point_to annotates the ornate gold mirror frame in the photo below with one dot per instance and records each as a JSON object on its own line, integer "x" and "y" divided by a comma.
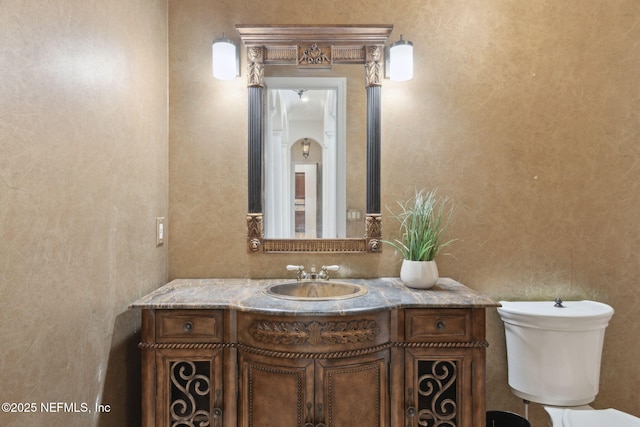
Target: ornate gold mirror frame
{"x": 314, "y": 47}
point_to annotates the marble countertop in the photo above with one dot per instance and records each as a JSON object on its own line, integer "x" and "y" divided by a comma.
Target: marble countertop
{"x": 248, "y": 295}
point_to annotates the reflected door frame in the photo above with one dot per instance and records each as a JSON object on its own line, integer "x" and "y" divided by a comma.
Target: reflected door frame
{"x": 307, "y": 199}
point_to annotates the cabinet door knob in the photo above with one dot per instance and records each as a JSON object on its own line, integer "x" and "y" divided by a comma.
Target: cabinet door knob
{"x": 217, "y": 412}
{"x": 411, "y": 412}
{"x": 440, "y": 325}
{"x": 188, "y": 327}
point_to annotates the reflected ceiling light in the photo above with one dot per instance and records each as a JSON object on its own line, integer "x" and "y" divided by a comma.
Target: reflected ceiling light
{"x": 399, "y": 60}
{"x": 300, "y": 92}
{"x": 226, "y": 59}
{"x": 305, "y": 147}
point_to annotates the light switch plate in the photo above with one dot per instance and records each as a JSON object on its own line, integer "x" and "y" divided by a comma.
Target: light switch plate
{"x": 160, "y": 231}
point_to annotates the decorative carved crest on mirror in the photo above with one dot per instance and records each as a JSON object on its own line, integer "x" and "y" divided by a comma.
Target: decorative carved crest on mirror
{"x": 314, "y": 47}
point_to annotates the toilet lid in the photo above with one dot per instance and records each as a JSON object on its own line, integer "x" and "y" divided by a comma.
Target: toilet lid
{"x": 598, "y": 418}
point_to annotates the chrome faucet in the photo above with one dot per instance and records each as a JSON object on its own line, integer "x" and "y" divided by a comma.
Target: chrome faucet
{"x": 313, "y": 275}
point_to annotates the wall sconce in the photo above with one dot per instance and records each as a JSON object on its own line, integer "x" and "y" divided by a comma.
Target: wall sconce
{"x": 399, "y": 60}
{"x": 305, "y": 147}
{"x": 226, "y": 59}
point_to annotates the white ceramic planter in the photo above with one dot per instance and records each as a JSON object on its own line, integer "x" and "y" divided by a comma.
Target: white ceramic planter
{"x": 419, "y": 274}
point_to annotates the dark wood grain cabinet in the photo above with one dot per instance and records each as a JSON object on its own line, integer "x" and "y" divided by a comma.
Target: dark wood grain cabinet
{"x": 307, "y": 392}
{"x": 399, "y": 368}
{"x": 313, "y": 371}
{"x": 189, "y": 387}
{"x": 444, "y": 367}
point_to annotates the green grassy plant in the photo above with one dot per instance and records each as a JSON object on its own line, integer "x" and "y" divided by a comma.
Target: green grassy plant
{"x": 424, "y": 220}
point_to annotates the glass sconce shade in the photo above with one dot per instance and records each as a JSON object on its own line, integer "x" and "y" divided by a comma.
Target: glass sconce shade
{"x": 401, "y": 60}
{"x": 226, "y": 60}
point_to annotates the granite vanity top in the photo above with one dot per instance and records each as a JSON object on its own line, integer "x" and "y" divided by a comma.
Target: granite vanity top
{"x": 248, "y": 295}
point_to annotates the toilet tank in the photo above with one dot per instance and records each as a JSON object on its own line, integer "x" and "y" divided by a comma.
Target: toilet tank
{"x": 554, "y": 353}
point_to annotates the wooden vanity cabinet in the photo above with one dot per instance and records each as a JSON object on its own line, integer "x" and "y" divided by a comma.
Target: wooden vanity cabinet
{"x": 314, "y": 371}
{"x": 189, "y": 390}
{"x": 444, "y": 367}
{"x": 314, "y": 393}
{"x": 182, "y": 368}
{"x": 398, "y": 368}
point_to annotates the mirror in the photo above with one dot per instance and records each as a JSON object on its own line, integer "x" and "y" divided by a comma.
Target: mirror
{"x": 306, "y": 157}
{"x": 315, "y": 215}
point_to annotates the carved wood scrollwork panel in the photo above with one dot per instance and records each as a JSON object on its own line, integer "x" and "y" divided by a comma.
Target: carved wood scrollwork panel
{"x": 314, "y": 333}
{"x": 314, "y": 56}
{"x": 190, "y": 395}
{"x": 255, "y": 59}
{"x": 438, "y": 393}
{"x": 283, "y": 55}
{"x": 373, "y": 66}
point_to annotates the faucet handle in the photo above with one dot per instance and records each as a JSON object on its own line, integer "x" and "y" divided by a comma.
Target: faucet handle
{"x": 324, "y": 271}
{"x": 299, "y": 268}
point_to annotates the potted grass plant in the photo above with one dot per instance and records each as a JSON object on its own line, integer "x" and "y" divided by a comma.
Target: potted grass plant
{"x": 424, "y": 220}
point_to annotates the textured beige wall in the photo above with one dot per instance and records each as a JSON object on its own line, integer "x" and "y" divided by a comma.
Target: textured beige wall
{"x": 83, "y": 174}
{"x": 526, "y": 113}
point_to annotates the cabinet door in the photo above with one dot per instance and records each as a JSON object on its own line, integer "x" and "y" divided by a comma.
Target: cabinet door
{"x": 353, "y": 392}
{"x": 438, "y": 387}
{"x": 275, "y": 392}
{"x": 189, "y": 388}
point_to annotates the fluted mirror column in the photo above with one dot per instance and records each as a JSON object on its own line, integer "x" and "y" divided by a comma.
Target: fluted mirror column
{"x": 255, "y": 56}
{"x": 373, "y": 82}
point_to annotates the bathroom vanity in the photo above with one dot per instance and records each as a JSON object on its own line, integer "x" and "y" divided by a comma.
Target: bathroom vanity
{"x": 222, "y": 352}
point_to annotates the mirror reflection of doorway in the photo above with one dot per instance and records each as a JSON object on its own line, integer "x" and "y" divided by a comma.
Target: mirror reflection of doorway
{"x": 300, "y": 204}
{"x": 287, "y": 130}
{"x": 307, "y": 216}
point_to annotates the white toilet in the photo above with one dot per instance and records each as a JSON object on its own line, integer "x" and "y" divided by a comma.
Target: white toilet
{"x": 554, "y": 351}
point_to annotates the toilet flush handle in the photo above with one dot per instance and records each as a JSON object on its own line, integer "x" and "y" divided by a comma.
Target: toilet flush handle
{"x": 558, "y": 303}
